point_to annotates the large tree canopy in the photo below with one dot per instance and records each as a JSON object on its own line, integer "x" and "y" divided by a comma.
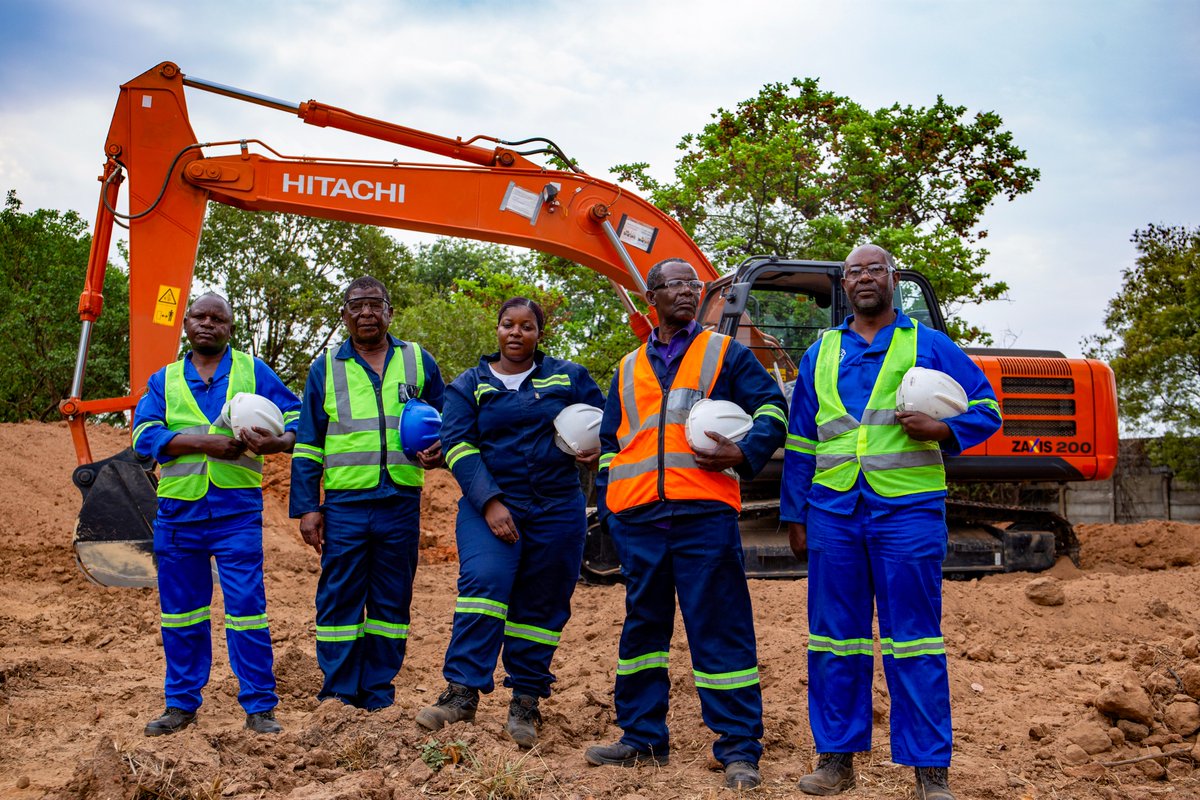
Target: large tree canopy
{"x": 804, "y": 173}
{"x": 1153, "y": 344}
{"x": 284, "y": 275}
{"x": 43, "y": 260}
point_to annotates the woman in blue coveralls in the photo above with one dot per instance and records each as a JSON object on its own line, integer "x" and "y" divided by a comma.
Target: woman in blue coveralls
{"x": 521, "y": 521}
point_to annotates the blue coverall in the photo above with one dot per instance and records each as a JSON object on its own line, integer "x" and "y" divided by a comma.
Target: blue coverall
{"x": 225, "y": 524}
{"x": 693, "y": 549}
{"x": 514, "y": 599}
{"x": 865, "y": 549}
{"x": 369, "y": 557}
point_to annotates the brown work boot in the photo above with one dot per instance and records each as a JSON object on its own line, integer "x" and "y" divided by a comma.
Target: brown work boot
{"x": 523, "y": 720}
{"x": 456, "y": 704}
{"x": 933, "y": 783}
{"x": 834, "y": 774}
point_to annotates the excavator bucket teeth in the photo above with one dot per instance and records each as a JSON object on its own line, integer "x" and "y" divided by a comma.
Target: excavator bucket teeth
{"x": 114, "y": 534}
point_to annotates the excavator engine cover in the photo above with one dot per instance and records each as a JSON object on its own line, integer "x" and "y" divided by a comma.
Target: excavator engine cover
{"x": 114, "y": 535}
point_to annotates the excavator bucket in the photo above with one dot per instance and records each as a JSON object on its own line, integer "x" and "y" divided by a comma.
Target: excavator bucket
{"x": 114, "y": 535}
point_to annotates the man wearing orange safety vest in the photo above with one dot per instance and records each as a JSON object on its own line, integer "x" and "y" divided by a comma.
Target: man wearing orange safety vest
{"x": 672, "y": 514}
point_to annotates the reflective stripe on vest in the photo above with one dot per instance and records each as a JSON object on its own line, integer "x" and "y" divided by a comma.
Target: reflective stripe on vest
{"x": 364, "y": 427}
{"x": 655, "y": 462}
{"x": 894, "y": 464}
{"x": 187, "y": 477}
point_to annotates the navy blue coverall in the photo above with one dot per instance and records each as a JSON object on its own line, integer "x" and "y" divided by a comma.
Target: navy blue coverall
{"x": 225, "y": 524}
{"x": 369, "y": 557}
{"x": 693, "y": 549}
{"x": 514, "y": 599}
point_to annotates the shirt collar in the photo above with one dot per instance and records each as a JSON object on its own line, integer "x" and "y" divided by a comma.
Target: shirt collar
{"x": 902, "y": 321}
{"x": 222, "y": 368}
{"x": 346, "y": 351}
{"x": 687, "y": 330}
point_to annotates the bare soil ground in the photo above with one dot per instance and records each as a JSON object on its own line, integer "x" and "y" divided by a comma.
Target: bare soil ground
{"x": 1047, "y": 698}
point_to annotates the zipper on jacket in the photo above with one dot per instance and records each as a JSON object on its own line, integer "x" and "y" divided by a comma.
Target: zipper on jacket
{"x": 382, "y": 429}
{"x": 662, "y": 444}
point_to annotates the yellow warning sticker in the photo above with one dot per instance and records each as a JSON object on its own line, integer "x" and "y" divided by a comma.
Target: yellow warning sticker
{"x": 166, "y": 308}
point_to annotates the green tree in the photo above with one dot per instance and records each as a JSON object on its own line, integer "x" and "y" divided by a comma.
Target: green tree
{"x": 1153, "y": 344}
{"x": 284, "y": 275}
{"x": 43, "y": 260}
{"x": 801, "y": 172}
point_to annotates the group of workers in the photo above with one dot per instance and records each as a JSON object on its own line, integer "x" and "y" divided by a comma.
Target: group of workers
{"x": 863, "y": 493}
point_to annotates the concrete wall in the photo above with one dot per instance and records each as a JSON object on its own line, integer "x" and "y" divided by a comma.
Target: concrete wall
{"x": 1136, "y": 492}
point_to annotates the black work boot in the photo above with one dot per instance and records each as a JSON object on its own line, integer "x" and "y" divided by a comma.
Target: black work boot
{"x": 173, "y": 720}
{"x": 834, "y": 774}
{"x": 456, "y": 704}
{"x": 742, "y": 775}
{"x": 263, "y": 722}
{"x": 620, "y": 754}
{"x": 523, "y": 720}
{"x": 933, "y": 783}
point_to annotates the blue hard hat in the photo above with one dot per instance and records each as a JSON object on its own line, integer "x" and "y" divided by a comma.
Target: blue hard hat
{"x": 420, "y": 427}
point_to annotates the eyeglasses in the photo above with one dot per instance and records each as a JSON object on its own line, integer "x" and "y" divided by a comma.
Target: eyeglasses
{"x": 675, "y": 284}
{"x": 874, "y": 270}
{"x": 362, "y": 304}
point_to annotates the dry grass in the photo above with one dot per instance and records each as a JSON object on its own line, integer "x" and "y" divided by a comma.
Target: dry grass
{"x": 156, "y": 780}
{"x": 359, "y": 753}
{"x": 500, "y": 778}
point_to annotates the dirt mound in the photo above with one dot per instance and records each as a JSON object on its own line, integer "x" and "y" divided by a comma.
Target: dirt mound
{"x": 1080, "y": 688}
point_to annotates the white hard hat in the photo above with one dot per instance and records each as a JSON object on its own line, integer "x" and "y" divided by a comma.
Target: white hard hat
{"x": 577, "y": 428}
{"x": 254, "y": 411}
{"x": 718, "y": 416}
{"x": 930, "y": 392}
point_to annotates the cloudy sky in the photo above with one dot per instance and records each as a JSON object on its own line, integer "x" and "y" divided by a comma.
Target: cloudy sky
{"x": 1103, "y": 96}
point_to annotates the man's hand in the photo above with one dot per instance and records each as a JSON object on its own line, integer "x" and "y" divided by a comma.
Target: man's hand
{"x": 922, "y": 427}
{"x": 262, "y": 442}
{"x": 312, "y": 530}
{"x": 431, "y": 456}
{"x": 726, "y": 456}
{"x": 798, "y": 539}
{"x": 500, "y": 521}
{"x": 588, "y": 458}
{"x": 219, "y": 446}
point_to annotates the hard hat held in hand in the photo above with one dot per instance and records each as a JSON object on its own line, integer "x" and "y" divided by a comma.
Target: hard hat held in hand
{"x": 930, "y": 392}
{"x": 420, "y": 427}
{"x": 577, "y": 428}
{"x": 718, "y": 416}
{"x": 246, "y": 411}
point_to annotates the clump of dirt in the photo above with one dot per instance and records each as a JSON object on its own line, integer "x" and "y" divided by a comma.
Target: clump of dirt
{"x": 1094, "y": 695}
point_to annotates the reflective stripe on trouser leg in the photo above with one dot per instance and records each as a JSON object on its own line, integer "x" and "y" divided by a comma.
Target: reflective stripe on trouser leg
{"x": 906, "y": 560}
{"x": 239, "y": 557}
{"x": 341, "y": 599}
{"x": 840, "y": 641}
{"x": 395, "y": 529}
{"x": 706, "y": 555}
{"x": 486, "y": 569}
{"x": 642, "y": 684}
{"x": 185, "y": 597}
{"x": 540, "y": 603}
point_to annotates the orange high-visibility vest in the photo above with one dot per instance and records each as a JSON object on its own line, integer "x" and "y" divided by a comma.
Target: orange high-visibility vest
{"x": 655, "y": 462}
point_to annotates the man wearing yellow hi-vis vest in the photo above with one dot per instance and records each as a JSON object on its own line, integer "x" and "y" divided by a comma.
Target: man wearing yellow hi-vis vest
{"x": 864, "y": 489}
{"x": 210, "y": 506}
{"x": 367, "y": 527}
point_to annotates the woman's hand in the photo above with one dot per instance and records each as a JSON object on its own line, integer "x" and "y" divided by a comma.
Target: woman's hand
{"x": 500, "y": 521}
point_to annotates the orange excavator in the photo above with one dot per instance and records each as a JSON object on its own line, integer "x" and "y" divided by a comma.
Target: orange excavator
{"x": 1060, "y": 414}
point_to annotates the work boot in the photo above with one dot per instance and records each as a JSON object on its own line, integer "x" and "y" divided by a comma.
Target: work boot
{"x": 456, "y": 704}
{"x": 834, "y": 774}
{"x": 933, "y": 783}
{"x": 523, "y": 720}
{"x": 620, "y": 754}
{"x": 173, "y": 720}
{"x": 742, "y": 775}
{"x": 263, "y": 722}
